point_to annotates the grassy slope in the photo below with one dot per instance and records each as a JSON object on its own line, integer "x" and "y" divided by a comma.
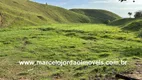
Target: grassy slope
{"x": 25, "y": 12}
{"x": 96, "y": 15}
{"x": 128, "y": 24}
{"x": 134, "y": 26}
{"x": 124, "y": 22}
{"x": 66, "y": 42}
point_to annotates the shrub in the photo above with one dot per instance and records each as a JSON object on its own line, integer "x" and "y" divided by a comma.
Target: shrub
{"x": 138, "y": 14}
{"x": 107, "y": 21}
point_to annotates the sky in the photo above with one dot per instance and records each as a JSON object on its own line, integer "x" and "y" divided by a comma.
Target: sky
{"x": 120, "y": 8}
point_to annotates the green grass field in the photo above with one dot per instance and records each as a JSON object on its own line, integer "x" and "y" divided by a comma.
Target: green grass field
{"x": 67, "y": 42}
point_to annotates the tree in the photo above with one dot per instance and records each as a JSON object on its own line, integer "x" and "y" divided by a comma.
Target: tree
{"x": 138, "y": 14}
{"x": 130, "y": 13}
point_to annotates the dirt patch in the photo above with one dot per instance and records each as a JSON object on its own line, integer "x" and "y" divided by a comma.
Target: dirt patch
{"x": 135, "y": 75}
{"x": 3, "y": 79}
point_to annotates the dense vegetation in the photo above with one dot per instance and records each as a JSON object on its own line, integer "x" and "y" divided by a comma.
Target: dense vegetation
{"x": 138, "y": 14}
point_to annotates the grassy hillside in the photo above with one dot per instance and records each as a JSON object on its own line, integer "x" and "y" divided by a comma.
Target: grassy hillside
{"x": 123, "y": 22}
{"x": 68, "y": 42}
{"x": 25, "y": 12}
{"x": 134, "y": 26}
{"x": 97, "y": 16}
{"x": 128, "y": 24}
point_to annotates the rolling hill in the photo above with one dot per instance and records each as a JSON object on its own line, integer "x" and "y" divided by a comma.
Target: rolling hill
{"x": 97, "y": 16}
{"x": 122, "y": 22}
{"x": 134, "y": 26}
{"x": 25, "y": 12}
{"x": 128, "y": 24}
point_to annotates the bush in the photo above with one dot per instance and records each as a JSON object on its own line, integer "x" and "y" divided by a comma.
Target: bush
{"x": 138, "y": 14}
{"x": 107, "y": 21}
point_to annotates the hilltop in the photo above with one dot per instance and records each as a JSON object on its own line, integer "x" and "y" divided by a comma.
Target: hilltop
{"x": 97, "y": 15}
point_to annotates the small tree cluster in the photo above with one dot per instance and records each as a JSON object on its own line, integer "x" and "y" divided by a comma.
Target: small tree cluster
{"x": 138, "y": 14}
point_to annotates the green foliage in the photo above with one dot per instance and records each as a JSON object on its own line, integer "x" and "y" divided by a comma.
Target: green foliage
{"x": 138, "y": 14}
{"x": 107, "y": 21}
{"x": 130, "y": 13}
